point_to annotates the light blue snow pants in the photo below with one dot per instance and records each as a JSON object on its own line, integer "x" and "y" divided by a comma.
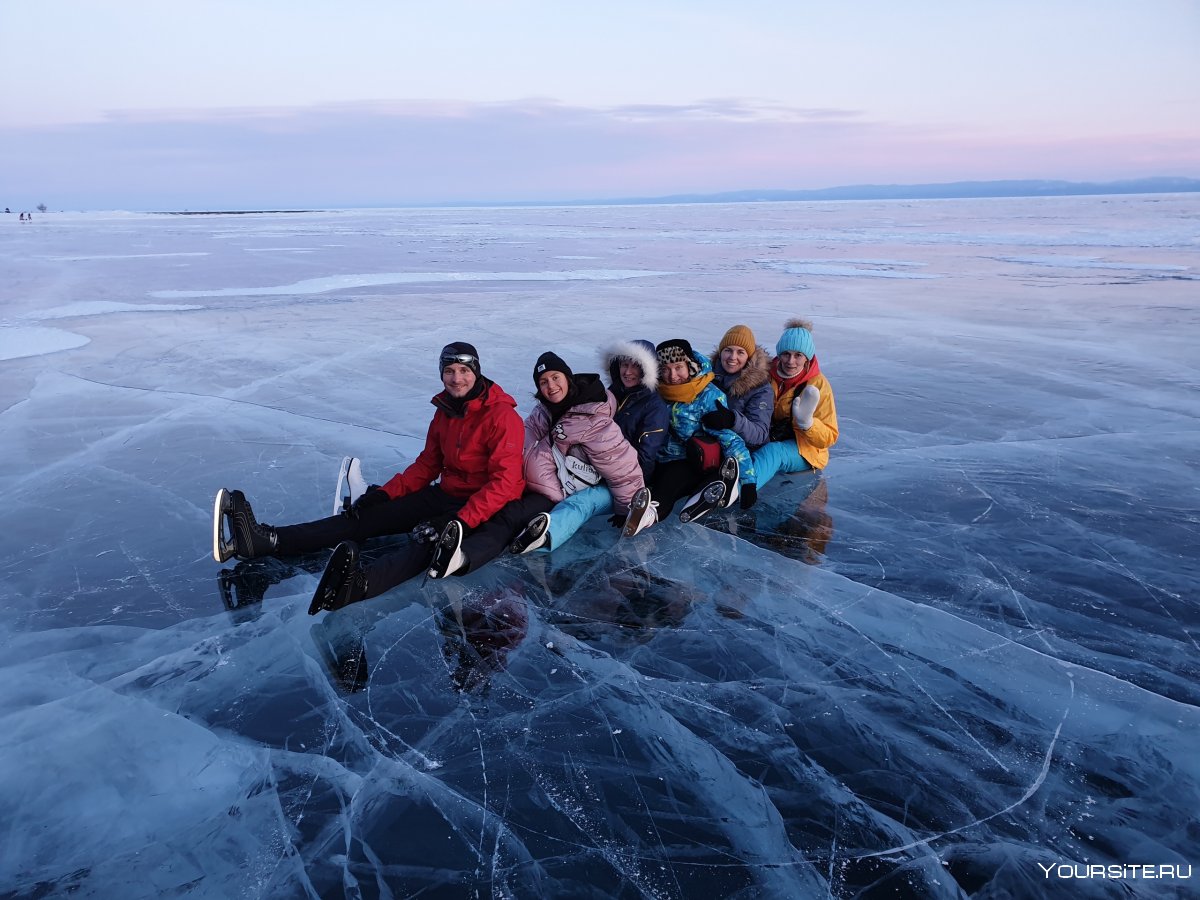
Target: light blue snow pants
{"x": 568, "y": 515}
{"x": 775, "y": 457}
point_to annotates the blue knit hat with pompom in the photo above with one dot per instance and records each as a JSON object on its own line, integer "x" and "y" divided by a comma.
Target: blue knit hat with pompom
{"x": 797, "y": 337}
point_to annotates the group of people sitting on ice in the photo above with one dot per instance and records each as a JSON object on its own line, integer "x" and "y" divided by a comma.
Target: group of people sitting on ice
{"x": 671, "y": 424}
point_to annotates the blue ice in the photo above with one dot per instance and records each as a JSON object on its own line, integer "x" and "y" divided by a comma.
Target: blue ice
{"x": 964, "y": 654}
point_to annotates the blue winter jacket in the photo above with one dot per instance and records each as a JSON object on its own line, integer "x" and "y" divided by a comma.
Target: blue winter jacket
{"x": 685, "y": 422}
{"x": 641, "y": 414}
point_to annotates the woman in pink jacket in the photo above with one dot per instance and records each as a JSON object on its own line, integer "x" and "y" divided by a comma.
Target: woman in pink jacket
{"x": 572, "y": 442}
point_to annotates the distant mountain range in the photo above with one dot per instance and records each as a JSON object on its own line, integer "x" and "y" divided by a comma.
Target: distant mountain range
{"x": 952, "y": 190}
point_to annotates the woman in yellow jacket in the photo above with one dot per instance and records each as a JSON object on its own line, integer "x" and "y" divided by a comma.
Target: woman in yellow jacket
{"x": 804, "y": 422}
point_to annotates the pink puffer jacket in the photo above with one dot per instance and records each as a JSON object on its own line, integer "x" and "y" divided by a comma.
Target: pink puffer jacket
{"x": 587, "y": 431}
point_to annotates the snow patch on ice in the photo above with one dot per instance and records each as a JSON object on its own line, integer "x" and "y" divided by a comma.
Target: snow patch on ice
{"x": 344, "y": 282}
{"x": 124, "y": 256}
{"x": 849, "y": 268}
{"x": 1089, "y": 262}
{"x": 100, "y": 307}
{"x": 20, "y": 341}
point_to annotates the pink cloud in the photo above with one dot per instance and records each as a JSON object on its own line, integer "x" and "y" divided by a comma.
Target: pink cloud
{"x": 397, "y": 152}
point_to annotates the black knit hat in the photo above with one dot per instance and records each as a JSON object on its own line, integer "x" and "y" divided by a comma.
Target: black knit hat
{"x": 550, "y": 362}
{"x": 459, "y": 352}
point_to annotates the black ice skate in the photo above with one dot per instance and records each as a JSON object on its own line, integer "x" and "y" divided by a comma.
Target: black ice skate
{"x": 731, "y": 474}
{"x": 643, "y": 512}
{"x": 703, "y": 503}
{"x": 448, "y": 557}
{"x": 236, "y": 533}
{"x": 343, "y": 582}
{"x": 533, "y": 536}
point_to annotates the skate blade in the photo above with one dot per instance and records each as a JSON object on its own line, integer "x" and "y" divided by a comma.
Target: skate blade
{"x": 223, "y": 547}
{"x": 326, "y": 595}
{"x": 638, "y": 510}
{"x": 731, "y": 473}
{"x": 443, "y": 556}
{"x": 341, "y": 494}
{"x": 703, "y": 505}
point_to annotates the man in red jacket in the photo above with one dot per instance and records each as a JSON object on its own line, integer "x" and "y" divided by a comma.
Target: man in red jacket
{"x": 469, "y": 469}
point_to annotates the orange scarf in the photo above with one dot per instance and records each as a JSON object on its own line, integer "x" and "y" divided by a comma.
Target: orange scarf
{"x": 686, "y": 392}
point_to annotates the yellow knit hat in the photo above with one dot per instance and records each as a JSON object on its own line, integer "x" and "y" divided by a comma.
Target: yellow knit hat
{"x": 738, "y": 336}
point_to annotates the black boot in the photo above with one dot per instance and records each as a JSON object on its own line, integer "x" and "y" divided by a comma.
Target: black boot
{"x": 250, "y": 539}
{"x": 343, "y": 582}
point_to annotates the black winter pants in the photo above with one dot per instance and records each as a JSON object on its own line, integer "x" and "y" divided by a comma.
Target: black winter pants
{"x": 398, "y": 516}
{"x": 490, "y": 539}
{"x": 673, "y": 480}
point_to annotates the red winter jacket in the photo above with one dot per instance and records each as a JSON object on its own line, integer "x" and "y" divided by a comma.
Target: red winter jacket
{"x": 476, "y": 455}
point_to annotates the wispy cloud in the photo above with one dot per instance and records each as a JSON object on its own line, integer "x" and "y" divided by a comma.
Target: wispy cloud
{"x": 393, "y": 152}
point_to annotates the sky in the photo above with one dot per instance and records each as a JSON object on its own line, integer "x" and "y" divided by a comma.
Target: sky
{"x": 239, "y": 104}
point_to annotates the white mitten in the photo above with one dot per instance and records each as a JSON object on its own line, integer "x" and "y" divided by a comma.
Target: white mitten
{"x": 804, "y": 406}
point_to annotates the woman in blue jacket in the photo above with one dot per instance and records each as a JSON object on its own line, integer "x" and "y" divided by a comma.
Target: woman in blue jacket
{"x": 686, "y": 383}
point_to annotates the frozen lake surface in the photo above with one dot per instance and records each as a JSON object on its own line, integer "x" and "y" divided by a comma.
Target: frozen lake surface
{"x": 961, "y": 661}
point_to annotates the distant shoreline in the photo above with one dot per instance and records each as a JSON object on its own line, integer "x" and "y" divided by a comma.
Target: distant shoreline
{"x": 958, "y": 190}
{"x": 228, "y": 212}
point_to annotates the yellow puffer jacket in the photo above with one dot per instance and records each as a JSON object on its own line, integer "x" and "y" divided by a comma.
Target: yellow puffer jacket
{"x": 813, "y": 444}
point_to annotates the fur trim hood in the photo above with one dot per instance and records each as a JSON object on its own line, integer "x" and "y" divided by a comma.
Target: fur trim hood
{"x": 756, "y": 372}
{"x": 644, "y": 357}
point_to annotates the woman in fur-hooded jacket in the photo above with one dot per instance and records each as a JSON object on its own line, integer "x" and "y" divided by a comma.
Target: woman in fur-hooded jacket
{"x": 575, "y": 416}
{"x": 742, "y": 369}
{"x": 642, "y": 415}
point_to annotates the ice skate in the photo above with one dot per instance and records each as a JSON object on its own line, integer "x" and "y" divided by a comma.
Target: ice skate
{"x": 643, "y": 512}
{"x": 533, "y": 536}
{"x": 448, "y": 557}
{"x": 343, "y": 582}
{"x": 731, "y": 474}
{"x": 350, "y": 486}
{"x": 704, "y": 502}
{"x": 236, "y": 533}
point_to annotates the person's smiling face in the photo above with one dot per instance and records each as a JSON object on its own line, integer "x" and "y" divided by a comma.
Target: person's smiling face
{"x": 733, "y": 359}
{"x": 553, "y": 386}
{"x": 630, "y": 372}
{"x": 458, "y": 380}
{"x": 791, "y": 363}
{"x": 676, "y": 372}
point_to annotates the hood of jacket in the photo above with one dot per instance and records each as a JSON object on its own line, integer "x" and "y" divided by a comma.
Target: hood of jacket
{"x": 754, "y": 374}
{"x": 639, "y": 354}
